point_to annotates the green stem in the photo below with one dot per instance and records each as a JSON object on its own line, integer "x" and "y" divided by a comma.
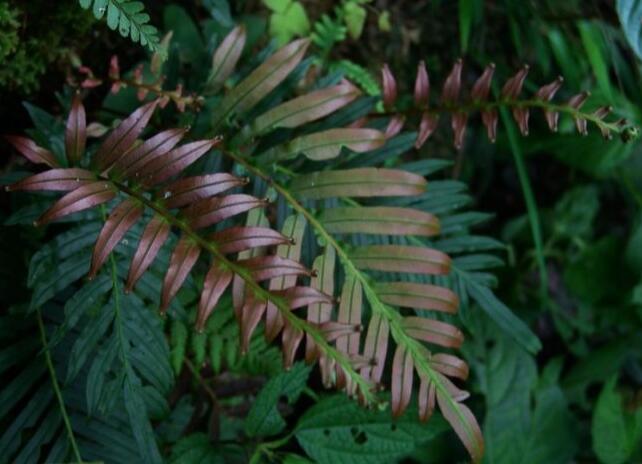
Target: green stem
{"x": 300, "y": 324}
{"x": 414, "y": 347}
{"x": 56, "y": 387}
{"x": 531, "y": 204}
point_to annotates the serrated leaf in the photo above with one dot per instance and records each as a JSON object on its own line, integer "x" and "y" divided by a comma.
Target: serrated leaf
{"x": 364, "y": 434}
{"x": 264, "y": 418}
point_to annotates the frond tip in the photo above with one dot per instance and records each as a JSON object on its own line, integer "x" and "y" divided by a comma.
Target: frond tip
{"x": 479, "y": 100}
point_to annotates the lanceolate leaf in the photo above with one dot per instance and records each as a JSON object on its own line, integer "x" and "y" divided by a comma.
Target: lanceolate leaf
{"x": 183, "y": 259}
{"x": 321, "y": 312}
{"x": 262, "y": 80}
{"x": 172, "y": 163}
{"x": 55, "y": 179}
{"x": 328, "y": 144}
{"x": 298, "y": 297}
{"x": 449, "y": 365}
{"x": 226, "y": 56}
{"x": 30, "y": 150}
{"x": 349, "y": 313}
{"x": 419, "y": 296}
{"x": 306, "y": 108}
{"x": 215, "y": 209}
{"x": 123, "y": 137}
{"x": 293, "y": 227}
{"x": 131, "y": 163}
{"x": 431, "y": 331}
{"x": 426, "y": 399}
{"x": 251, "y": 315}
{"x": 397, "y": 258}
{"x": 270, "y": 267}
{"x": 463, "y": 422}
{"x": 376, "y": 348}
{"x": 361, "y": 182}
{"x": 191, "y": 189}
{"x": 121, "y": 219}
{"x": 237, "y": 239}
{"x": 216, "y": 281}
{"x": 151, "y": 241}
{"x": 76, "y": 132}
{"x": 402, "y": 379}
{"x": 84, "y": 197}
{"x": 379, "y": 220}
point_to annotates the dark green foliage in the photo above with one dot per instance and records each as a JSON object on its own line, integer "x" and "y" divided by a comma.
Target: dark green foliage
{"x": 542, "y": 233}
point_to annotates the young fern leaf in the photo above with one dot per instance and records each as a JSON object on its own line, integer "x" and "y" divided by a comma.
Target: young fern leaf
{"x": 142, "y": 173}
{"x": 451, "y": 102}
{"x": 128, "y": 17}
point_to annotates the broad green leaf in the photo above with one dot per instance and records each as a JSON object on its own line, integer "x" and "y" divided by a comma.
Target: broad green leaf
{"x": 514, "y": 429}
{"x": 292, "y": 22}
{"x": 616, "y": 432}
{"x": 264, "y": 418}
{"x": 338, "y": 430}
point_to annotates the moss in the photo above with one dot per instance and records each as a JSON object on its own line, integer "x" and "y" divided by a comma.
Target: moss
{"x": 33, "y": 36}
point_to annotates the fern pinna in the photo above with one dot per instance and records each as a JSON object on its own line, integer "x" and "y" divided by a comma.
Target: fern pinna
{"x": 359, "y": 267}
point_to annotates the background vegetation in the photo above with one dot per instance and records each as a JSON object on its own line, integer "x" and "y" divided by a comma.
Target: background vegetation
{"x": 547, "y": 224}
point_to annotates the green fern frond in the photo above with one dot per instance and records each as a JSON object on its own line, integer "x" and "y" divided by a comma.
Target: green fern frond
{"x": 128, "y": 17}
{"x": 328, "y": 32}
{"x": 358, "y": 74}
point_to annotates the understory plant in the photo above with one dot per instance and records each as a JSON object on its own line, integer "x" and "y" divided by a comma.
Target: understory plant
{"x": 246, "y": 197}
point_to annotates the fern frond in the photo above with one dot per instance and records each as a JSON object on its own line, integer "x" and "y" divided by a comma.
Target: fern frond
{"x": 371, "y": 233}
{"x": 53, "y": 424}
{"x": 460, "y": 108}
{"x": 358, "y": 74}
{"x": 128, "y": 17}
